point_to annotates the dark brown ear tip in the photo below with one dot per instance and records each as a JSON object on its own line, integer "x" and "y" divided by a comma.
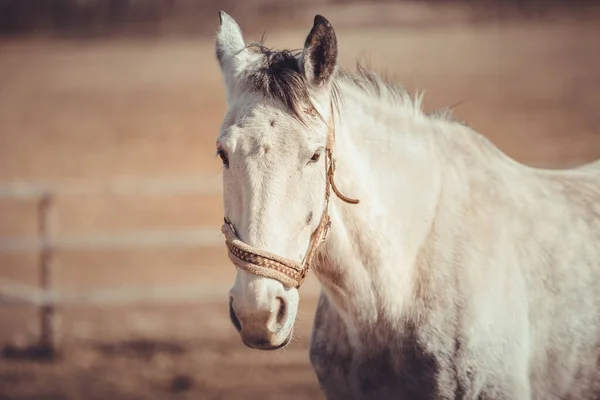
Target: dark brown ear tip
{"x": 320, "y": 20}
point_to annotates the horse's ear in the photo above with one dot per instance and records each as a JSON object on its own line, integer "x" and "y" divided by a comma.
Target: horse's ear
{"x": 318, "y": 61}
{"x": 230, "y": 48}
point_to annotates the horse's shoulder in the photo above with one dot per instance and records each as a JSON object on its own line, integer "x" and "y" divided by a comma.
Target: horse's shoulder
{"x": 330, "y": 353}
{"x": 329, "y": 337}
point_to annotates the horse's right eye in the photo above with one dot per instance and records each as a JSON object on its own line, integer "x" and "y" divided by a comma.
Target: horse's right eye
{"x": 221, "y": 153}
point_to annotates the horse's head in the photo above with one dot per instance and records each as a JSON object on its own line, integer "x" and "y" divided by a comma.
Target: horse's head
{"x": 273, "y": 144}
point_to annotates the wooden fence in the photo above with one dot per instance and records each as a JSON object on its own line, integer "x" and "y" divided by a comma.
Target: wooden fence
{"x": 48, "y": 241}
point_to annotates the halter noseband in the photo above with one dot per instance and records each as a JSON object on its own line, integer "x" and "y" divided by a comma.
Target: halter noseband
{"x": 290, "y": 273}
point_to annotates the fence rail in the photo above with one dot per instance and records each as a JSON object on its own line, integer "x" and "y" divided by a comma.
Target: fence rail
{"x": 175, "y": 186}
{"x": 17, "y": 294}
{"x": 204, "y": 237}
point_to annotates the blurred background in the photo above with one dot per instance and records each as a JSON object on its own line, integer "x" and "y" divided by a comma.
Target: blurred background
{"x": 113, "y": 273}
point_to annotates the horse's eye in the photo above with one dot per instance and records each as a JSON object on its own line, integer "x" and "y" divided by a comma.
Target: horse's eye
{"x": 316, "y": 156}
{"x": 221, "y": 153}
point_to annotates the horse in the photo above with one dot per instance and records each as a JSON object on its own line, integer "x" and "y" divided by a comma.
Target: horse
{"x": 447, "y": 269}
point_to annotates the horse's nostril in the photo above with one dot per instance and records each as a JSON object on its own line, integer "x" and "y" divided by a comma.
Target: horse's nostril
{"x": 234, "y": 319}
{"x": 281, "y": 312}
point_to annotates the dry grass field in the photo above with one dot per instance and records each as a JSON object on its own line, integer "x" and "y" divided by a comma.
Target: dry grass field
{"x": 74, "y": 111}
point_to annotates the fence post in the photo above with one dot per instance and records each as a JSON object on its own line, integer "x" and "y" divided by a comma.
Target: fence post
{"x": 46, "y": 218}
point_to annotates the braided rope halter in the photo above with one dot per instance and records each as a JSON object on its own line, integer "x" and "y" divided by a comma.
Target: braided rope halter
{"x": 263, "y": 263}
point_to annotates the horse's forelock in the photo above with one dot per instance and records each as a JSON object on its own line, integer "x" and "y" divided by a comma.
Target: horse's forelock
{"x": 277, "y": 76}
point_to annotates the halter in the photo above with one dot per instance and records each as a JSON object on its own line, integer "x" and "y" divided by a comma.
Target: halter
{"x": 290, "y": 273}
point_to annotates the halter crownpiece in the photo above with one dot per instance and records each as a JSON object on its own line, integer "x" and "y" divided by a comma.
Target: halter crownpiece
{"x": 263, "y": 263}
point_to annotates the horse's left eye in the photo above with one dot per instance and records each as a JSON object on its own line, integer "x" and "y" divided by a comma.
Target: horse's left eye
{"x": 316, "y": 156}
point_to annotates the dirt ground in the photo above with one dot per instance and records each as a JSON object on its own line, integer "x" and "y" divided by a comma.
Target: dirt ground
{"x": 94, "y": 110}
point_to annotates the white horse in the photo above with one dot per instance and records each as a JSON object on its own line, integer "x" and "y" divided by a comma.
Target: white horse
{"x": 459, "y": 273}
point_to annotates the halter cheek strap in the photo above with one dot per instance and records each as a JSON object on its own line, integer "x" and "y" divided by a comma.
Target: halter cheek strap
{"x": 290, "y": 273}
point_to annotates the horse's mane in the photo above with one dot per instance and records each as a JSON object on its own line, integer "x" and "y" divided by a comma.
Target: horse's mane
{"x": 278, "y": 76}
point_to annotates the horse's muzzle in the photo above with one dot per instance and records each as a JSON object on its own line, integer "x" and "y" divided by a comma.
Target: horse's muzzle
{"x": 262, "y": 330}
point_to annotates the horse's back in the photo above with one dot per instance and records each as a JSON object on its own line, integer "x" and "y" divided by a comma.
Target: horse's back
{"x": 563, "y": 275}
{"x": 590, "y": 166}
{"x": 531, "y": 238}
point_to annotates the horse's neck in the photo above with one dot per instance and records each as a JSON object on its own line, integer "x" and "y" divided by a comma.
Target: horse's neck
{"x": 412, "y": 176}
{"x": 389, "y": 161}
